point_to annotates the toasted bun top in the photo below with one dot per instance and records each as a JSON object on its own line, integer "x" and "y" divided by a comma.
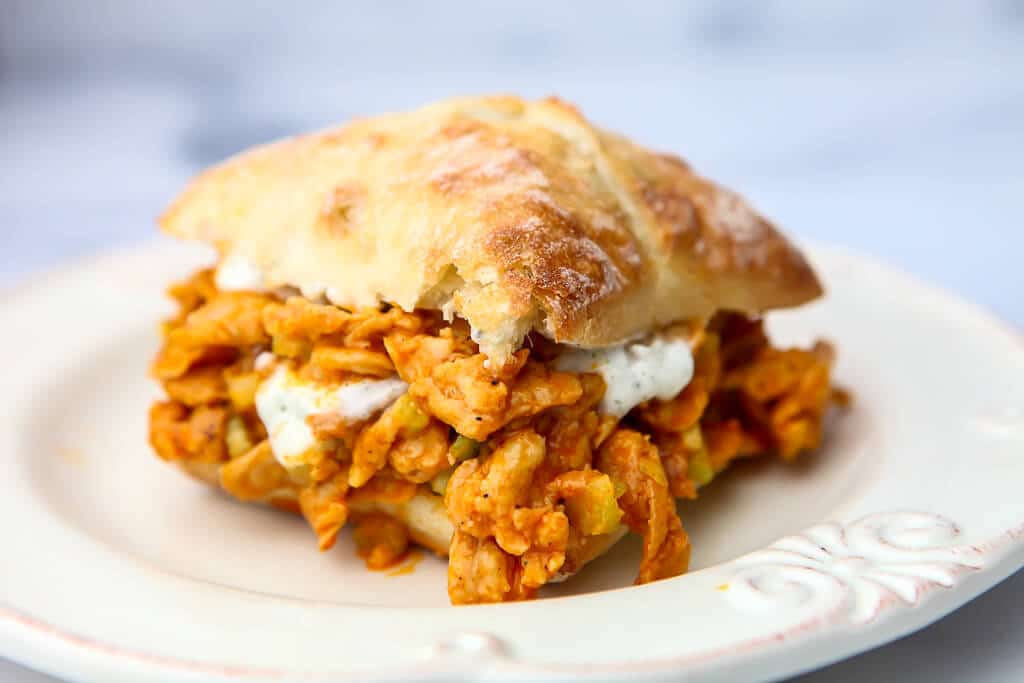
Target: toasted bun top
{"x": 518, "y": 215}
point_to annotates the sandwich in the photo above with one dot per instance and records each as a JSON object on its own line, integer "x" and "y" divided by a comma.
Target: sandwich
{"x": 486, "y": 327}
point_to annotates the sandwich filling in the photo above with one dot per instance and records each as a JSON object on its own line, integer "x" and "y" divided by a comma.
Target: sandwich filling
{"x": 300, "y": 403}
{"x": 284, "y": 403}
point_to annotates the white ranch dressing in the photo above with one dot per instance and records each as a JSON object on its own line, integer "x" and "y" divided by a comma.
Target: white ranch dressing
{"x": 283, "y": 403}
{"x": 237, "y": 273}
{"x": 635, "y": 372}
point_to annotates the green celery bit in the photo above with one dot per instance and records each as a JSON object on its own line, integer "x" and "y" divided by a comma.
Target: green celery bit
{"x": 699, "y": 468}
{"x": 439, "y": 484}
{"x": 463, "y": 448}
{"x": 409, "y": 415}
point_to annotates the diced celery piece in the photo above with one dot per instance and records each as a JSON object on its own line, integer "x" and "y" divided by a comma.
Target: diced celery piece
{"x": 693, "y": 439}
{"x": 463, "y": 448}
{"x": 699, "y": 468}
{"x": 594, "y": 511}
{"x": 409, "y": 414}
{"x": 237, "y": 437}
{"x": 439, "y": 484}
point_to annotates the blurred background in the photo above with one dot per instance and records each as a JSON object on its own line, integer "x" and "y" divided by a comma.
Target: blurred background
{"x": 896, "y": 128}
{"x": 893, "y": 127}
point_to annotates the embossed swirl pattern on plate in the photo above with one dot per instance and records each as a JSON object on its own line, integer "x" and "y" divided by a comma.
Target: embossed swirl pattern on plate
{"x": 855, "y": 572}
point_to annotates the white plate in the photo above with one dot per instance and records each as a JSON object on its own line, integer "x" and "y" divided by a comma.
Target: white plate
{"x": 115, "y": 567}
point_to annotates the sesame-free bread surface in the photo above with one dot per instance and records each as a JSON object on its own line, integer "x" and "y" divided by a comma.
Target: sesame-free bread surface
{"x": 515, "y": 215}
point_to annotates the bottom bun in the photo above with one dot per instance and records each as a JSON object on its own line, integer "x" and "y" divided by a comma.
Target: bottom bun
{"x": 424, "y": 515}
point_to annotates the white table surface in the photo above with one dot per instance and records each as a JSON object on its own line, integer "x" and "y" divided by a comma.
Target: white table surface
{"x": 893, "y": 128}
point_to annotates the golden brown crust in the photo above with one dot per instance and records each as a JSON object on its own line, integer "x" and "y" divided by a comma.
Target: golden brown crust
{"x": 521, "y": 213}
